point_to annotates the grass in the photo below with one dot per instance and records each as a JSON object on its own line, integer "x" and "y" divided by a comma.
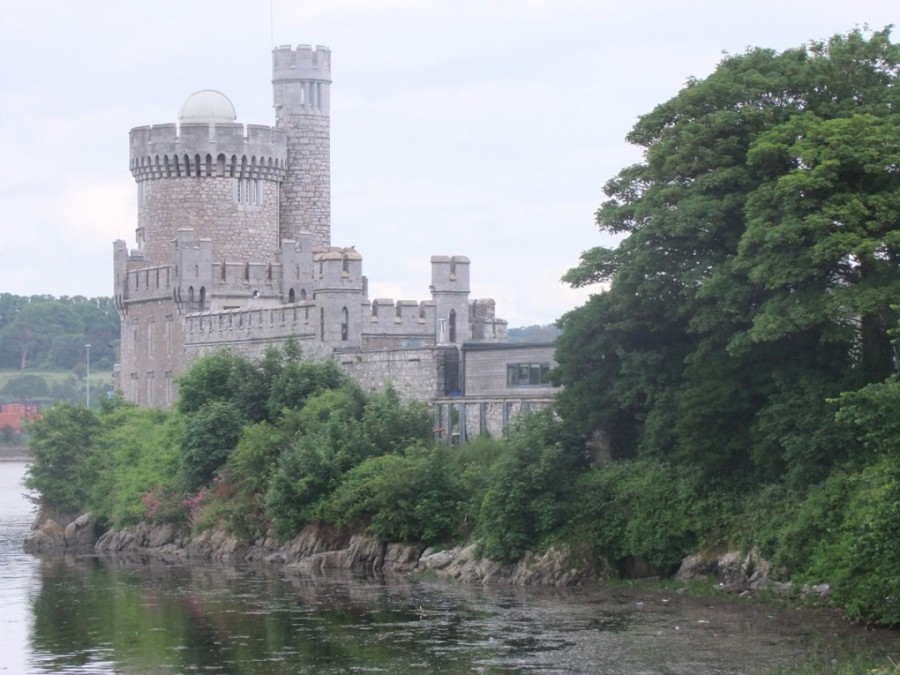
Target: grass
{"x": 52, "y": 377}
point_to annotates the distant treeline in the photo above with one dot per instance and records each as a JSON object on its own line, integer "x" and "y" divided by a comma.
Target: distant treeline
{"x": 44, "y": 332}
{"x": 547, "y": 333}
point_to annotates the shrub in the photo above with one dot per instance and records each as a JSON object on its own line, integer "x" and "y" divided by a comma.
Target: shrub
{"x": 528, "y": 496}
{"x": 61, "y": 446}
{"x": 413, "y": 498}
{"x": 642, "y": 509}
{"x": 137, "y": 466}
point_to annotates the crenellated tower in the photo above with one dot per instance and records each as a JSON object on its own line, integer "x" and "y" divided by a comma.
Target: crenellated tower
{"x": 210, "y": 174}
{"x": 301, "y": 83}
{"x": 450, "y": 293}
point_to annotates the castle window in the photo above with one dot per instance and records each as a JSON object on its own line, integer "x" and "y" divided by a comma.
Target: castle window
{"x": 202, "y": 300}
{"x": 345, "y": 324}
{"x": 322, "y": 324}
{"x": 168, "y": 335}
{"x": 303, "y": 294}
{"x": 190, "y": 298}
{"x": 527, "y": 374}
{"x": 345, "y": 267}
{"x": 168, "y": 392}
{"x": 151, "y": 337}
{"x": 291, "y": 296}
{"x": 246, "y": 191}
{"x": 452, "y": 325}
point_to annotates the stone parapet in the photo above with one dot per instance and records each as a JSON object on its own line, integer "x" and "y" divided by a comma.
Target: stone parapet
{"x": 208, "y": 149}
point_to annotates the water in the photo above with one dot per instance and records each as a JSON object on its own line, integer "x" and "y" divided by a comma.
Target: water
{"x": 84, "y": 614}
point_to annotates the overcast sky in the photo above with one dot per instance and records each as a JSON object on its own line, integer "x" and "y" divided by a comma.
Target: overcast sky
{"x": 465, "y": 127}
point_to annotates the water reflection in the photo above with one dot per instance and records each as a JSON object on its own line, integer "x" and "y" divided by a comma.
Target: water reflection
{"x": 107, "y": 615}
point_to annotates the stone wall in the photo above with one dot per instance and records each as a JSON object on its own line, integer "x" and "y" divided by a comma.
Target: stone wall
{"x": 239, "y": 232}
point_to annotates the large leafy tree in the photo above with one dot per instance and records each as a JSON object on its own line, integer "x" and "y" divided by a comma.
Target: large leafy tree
{"x": 757, "y": 267}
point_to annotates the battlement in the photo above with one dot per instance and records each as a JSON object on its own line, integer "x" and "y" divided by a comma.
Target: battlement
{"x": 301, "y": 81}
{"x": 232, "y": 150}
{"x": 303, "y": 63}
{"x": 404, "y": 317}
{"x": 147, "y": 283}
{"x": 449, "y": 274}
{"x": 243, "y": 325}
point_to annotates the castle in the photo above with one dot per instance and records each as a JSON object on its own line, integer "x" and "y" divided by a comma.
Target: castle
{"x": 233, "y": 249}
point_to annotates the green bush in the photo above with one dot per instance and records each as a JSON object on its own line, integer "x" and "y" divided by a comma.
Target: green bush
{"x": 61, "y": 445}
{"x": 137, "y": 466}
{"x": 861, "y": 556}
{"x": 643, "y": 509}
{"x": 211, "y": 433}
{"x": 413, "y": 498}
{"x": 530, "y": 487}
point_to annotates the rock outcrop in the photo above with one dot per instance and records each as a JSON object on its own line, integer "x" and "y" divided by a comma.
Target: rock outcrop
{"x": 321, "y": 547}
{"x": 78, "y": 534}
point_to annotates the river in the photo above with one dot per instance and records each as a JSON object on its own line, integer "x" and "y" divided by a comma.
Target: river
{"x": 66, "y": 614}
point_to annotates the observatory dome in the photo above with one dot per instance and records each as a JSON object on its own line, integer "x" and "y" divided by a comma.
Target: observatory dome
{"x": 207, "y": 105}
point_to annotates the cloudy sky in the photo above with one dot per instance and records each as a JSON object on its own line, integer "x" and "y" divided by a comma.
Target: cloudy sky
{"x": 468, "y": 127}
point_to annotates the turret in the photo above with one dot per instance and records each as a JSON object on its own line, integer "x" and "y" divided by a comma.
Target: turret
{"x": 450, "y": 292}
{"x": 340, "y": 288}
{"x": 210, "y": 174}
{"x": 193, "y": 271}
{"x": 297, "y": 269}
{"x": 301, "y": 84}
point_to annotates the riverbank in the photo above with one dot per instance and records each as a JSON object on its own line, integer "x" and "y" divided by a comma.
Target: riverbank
{"x": 320, "y": 547}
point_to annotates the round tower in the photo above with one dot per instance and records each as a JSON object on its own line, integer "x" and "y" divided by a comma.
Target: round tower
{"x": 210, "y": 174}
{"x": 301, "y": 83}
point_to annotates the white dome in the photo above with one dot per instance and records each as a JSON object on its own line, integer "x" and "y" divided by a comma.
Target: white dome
{"x": 207, "y": 105}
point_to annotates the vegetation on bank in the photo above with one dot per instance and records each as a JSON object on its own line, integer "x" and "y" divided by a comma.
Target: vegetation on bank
{"x": 735, "y": 386}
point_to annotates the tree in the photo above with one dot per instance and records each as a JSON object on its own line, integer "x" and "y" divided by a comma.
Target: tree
{"x": 210, "y": 435}
{"x": 758, "y": 264}
{"x": 61, "y": 445}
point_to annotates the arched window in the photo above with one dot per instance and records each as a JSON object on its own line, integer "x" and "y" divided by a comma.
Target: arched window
{"x": 452, "y": 325}
{"x": 191, "y": 298}
{"x": 345, "y": 324}
{"x": 202, "y": 300}
{"x": 303, "y": 294}
{"x": 291, "y": 296}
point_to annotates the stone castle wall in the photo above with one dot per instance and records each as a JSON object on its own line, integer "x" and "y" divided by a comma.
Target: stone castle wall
{"x": 239, "y": 231}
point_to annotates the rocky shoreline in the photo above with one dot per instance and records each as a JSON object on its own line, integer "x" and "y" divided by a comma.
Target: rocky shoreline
{"x": 319, "y": 548}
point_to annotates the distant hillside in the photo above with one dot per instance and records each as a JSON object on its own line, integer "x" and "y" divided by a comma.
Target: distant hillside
{"x": 43, "y": 332}
{"x": 547, "y": 333}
